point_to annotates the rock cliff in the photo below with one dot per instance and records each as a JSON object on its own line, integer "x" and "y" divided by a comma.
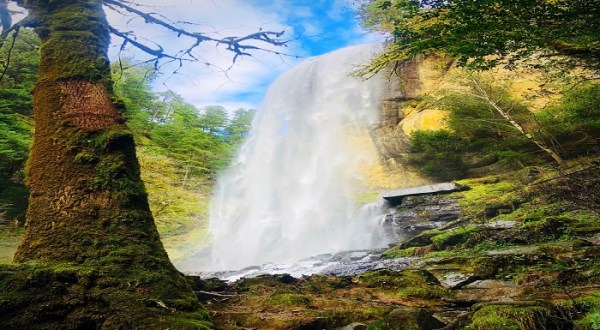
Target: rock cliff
{"x": 412, "y": 102}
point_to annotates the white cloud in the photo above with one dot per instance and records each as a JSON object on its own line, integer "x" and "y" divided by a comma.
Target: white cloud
{"x": 214, "y": 84}
{"x": 205, "y": 85}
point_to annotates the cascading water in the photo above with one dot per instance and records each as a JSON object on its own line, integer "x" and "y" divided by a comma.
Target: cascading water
{"x": 291, "y": 192}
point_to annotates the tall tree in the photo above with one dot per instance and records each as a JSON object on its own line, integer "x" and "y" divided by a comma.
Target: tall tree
{"x": 213, "y": 119}
{"x": 84, "y": 177}
{"x": 239, "y": 125}
{"x": 87, "y": 202}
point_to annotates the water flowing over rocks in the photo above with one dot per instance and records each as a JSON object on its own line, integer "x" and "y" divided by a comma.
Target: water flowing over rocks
{"x": 347, "y": 263}
{"x": 420, "y": 208}
{"x": 290, "y": 192}
{"x": 489, "y": 273}
{"x": 493, "y": 257}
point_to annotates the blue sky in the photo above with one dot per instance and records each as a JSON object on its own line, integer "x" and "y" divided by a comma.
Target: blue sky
{"x": 314, "y": 27}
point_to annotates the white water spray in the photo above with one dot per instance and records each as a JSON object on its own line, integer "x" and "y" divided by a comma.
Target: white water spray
{"x": 291, "y": 192}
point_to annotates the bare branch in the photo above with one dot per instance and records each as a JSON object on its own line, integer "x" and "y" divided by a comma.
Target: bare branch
{"x": 158, "y": 53}
{"x": 29, "y": 21}
{"x": 9, "y": 54}
{"x": 238, "y": 45}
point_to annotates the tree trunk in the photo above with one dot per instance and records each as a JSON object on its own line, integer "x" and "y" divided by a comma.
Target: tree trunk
{"x": 542, "y": 146}
{"x": 99, "y": 259}
{"x": 87, "y": 202}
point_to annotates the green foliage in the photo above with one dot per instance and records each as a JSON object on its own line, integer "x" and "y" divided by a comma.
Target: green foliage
{"x": 181, "y": 149}
{"x": 201, "y": 142}
{"x": 15, "y": 138}
{"x": 437, "y": 154}
{"x": 133, "y": 86}
{"x": 213, "y": 119}
{"x": 16, "y": 125}
{"x": 21, "y": 73}
{"x": 591, "y": 320}
{"x": 482, "y": 33}
{"x": 239, "y": 125}
{"x": 479, "y": 139}
{"x": 578, "y": 113}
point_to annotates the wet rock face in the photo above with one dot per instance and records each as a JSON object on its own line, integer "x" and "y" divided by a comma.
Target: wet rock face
{"x": 418, "y": 213}
{"x": 402, "y": 88}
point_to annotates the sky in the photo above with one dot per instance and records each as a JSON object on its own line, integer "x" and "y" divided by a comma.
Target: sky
{"x": 313, "y": 27}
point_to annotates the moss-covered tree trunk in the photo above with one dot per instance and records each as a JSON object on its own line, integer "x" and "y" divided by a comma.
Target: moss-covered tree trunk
{"x": 88, "y": 204}
{"x": 98, "y": 260}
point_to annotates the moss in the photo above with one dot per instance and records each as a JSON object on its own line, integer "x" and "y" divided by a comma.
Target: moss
{"x": 519, "y": 317}
{"x": 423, "y": 239}
{"x": 114, "y": 139}
{"x": 74, "y": 39}
{"x": 71, "y": 296}
{"x": 397, "y": 252}
{"x": 490, "y": 320}
{"x": 406, "y": 283}
{"x": 86, "y": 158}
{"x": 591, "y": 306}
{"x": 289, "y": 299}
{"x": 423, "y": 292}
{"x": 383, "y": 279}
{"x": 454, "y": 237}
{"x": 490, "y": 196}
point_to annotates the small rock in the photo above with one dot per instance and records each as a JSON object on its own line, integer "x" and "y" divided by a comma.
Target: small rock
{"x": 517, "y": 250}
{"x": 595, "y": 240}
{"x": 354, "y": 326}
{"x": 501, "y": 224}
{"x": 413, "y": 318}
{"x": 490, "y": 290}
{"x": 454, "y": 280}
{"x": 490, "y": 284}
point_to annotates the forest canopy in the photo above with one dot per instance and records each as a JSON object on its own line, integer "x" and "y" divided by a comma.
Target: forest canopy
{"x": 482, "y": 34}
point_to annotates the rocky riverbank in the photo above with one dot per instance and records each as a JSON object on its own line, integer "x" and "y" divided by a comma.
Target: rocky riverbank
{"x": 512, "y": 255}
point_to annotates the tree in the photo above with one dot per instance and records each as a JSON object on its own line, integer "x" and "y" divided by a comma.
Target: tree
{"x": 483, "y": 33}
{"x": 133, "y": 86}
{"x": 184, "y": 138}
{"x": 16, "y": 107}
{"x": 507, "y": 116}
{"x": 239, "y": 125}
{"x": 87, "y": 202}
{"x": 213, "y": 119}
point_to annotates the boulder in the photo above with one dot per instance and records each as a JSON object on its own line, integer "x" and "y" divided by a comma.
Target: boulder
{"x": 410, "y": 318}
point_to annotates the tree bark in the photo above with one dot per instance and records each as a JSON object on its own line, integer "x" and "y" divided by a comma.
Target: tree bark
{"x": 87, "y": 201}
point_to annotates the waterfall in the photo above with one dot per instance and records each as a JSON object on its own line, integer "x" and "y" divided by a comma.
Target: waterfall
{"x": 291, "y": 191}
